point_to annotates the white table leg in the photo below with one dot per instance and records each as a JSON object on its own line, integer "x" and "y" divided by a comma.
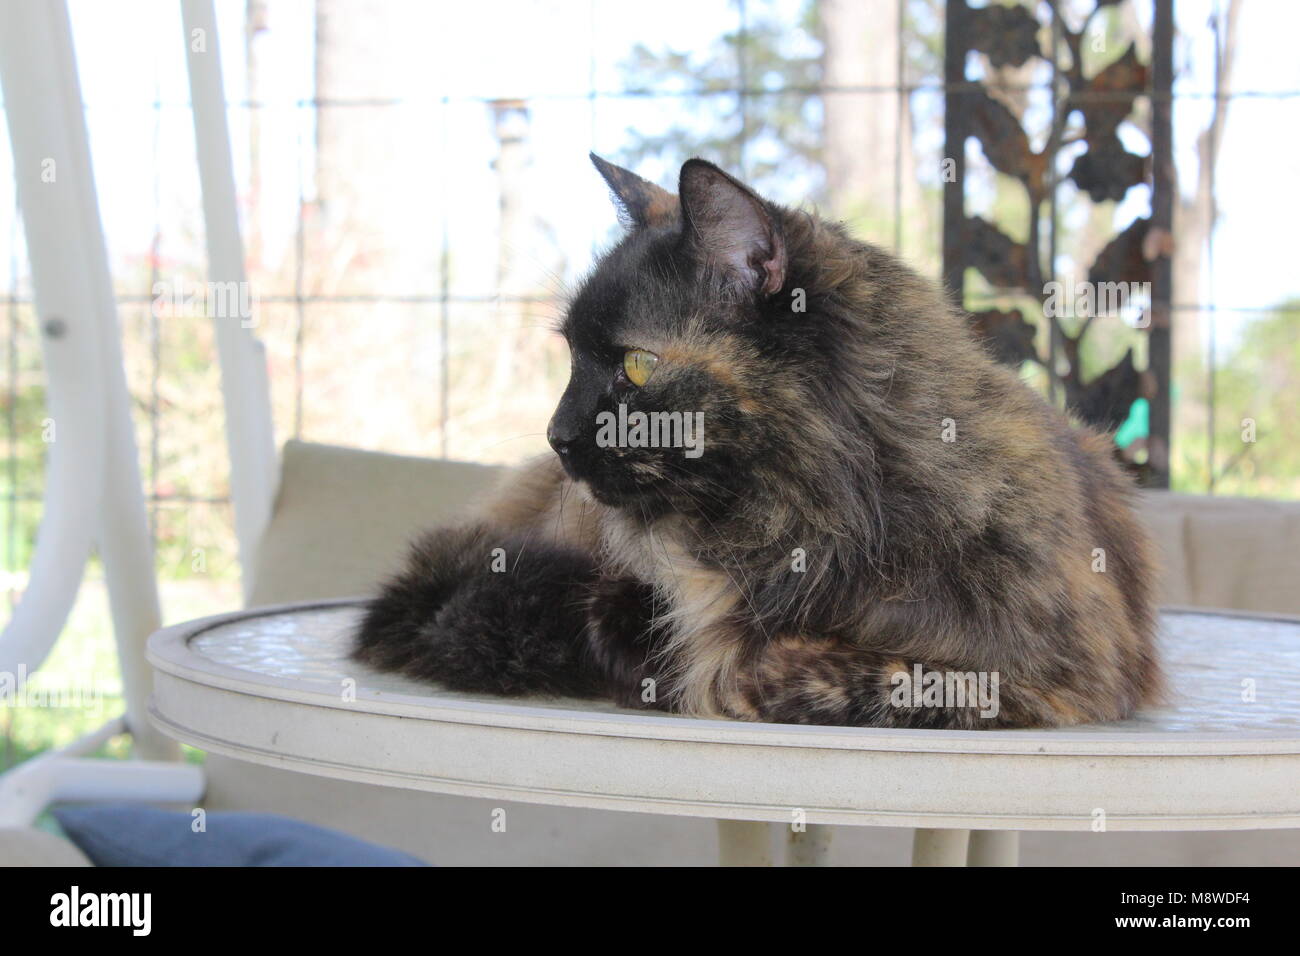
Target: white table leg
{"x": 994, "y": 848}
{"x": 939, "y": 847}
{"x": 809, "y": 847}
{"x": 744, "y": 843}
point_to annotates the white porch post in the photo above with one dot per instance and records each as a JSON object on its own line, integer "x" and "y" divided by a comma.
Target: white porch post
{"x": 89, "y": 403}
{"x": 245, "y": 388}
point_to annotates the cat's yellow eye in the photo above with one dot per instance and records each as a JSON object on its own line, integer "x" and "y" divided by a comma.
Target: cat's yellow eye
{"x": 638, "y": 364}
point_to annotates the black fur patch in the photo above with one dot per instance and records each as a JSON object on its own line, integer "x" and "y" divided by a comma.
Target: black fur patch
{"x": 450, "y": 618}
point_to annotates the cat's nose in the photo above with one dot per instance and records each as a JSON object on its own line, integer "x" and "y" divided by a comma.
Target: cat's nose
{"x": 561, "y": 439}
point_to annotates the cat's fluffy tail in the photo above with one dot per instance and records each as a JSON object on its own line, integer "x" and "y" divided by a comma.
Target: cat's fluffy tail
{"x": 485, "y": 610}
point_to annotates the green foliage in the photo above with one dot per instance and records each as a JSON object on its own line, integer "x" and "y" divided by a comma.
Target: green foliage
{"x": 22, "y": 474}
{"x": 1259, "y": 382}
{"x": 771, "y": 129}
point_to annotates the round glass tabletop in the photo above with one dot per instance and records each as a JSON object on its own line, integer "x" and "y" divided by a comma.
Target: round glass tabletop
{"x": 1227, "y": 673}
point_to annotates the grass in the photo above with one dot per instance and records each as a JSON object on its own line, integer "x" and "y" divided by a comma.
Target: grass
{"x": 79, "y": 686}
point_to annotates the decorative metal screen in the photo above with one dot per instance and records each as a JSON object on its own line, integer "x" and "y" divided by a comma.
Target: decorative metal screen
{"x": 1129, "y": 277}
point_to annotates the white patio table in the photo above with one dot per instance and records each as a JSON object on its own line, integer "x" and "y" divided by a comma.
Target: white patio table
{"x": 274, "y": 686}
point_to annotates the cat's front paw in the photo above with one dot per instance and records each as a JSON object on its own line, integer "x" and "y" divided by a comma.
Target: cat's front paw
{"x": 624, "y": 641}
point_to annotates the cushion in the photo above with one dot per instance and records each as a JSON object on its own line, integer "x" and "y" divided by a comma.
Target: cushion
{"x": 1246, "y": 560}
{"x": 144, "y": 836}
{"x": 1223, "y": 552}
{"x": 343, "y": 518}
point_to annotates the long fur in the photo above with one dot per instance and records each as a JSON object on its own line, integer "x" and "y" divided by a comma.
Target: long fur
{"x": 828, "y": 539}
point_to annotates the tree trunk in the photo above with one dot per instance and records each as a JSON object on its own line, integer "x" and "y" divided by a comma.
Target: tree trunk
{"x": 867, "y": 143}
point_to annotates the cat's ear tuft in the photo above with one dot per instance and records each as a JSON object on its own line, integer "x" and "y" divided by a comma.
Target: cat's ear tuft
{"x": 640, "y": 203}
{"x": 730, "y": 229}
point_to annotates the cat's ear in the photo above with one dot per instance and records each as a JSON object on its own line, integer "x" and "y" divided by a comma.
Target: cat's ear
{"x": 640, "y": 203}
{"x": 729, "y": 229}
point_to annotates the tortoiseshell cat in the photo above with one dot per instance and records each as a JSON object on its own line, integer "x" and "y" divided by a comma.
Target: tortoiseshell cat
{"x": 875, "y": 502}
